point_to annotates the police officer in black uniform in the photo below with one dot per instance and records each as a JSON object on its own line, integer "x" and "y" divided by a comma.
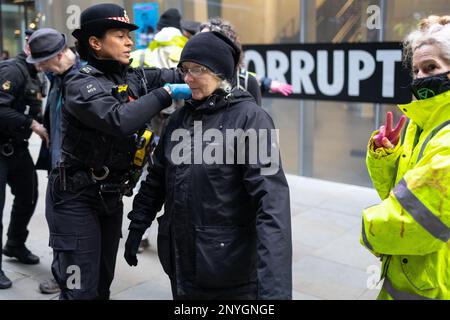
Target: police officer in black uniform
{"x": 21, "y": 94}
{"x": 106, "y": 107}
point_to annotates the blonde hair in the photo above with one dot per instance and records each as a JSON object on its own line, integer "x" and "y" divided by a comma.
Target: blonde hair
{"x": 433, "y": 30}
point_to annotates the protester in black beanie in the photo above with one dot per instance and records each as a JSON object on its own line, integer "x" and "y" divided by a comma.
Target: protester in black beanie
{"x": 226, "y": 229}
{"x": 223, "y": 60}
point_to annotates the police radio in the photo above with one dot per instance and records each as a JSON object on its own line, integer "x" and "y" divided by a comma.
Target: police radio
{"x": 143, "y": 145}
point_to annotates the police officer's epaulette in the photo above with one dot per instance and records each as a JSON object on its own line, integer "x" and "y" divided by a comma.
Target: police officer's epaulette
{"x": 86, "y": 69}
{"x": 90, "y": 70}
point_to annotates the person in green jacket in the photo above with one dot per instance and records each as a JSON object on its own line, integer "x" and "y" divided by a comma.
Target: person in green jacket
{"x": 410, "y": 229}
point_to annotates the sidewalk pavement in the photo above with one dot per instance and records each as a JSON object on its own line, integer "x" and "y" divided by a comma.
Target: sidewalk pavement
{"x": 328, "y": 260}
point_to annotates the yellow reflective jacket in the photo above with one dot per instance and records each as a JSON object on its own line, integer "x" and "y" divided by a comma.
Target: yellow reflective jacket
{"x": 163, "y": 52}
{"x": 409, "y": 229}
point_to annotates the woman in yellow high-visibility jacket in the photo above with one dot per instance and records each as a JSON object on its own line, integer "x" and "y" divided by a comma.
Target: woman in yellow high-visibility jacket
{"x": 410, "y": 228}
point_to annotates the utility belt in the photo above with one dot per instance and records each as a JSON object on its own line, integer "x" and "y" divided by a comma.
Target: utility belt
{"x": 110, "y": 182}
{"x": 75, "y": 179}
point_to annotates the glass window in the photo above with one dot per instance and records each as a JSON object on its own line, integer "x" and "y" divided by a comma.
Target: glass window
{"x": 321, "y": 139}
{"x": 403, "y": 15}
{"x": 286, "y": 116}
{"x": 340, "y": 135}
{"x": 13, "y": 26}
{"x": 336, "y": 142}
{"x": 214, "y": 8}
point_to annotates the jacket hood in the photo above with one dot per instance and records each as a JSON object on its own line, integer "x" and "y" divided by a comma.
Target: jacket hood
{"x": 428, "y": 112}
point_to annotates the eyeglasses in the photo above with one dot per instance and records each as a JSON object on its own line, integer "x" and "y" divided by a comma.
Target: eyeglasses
{"x": 194, "y": 71}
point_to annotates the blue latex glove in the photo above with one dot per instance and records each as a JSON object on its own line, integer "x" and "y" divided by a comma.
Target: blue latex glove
{"x": 179, "y": 91}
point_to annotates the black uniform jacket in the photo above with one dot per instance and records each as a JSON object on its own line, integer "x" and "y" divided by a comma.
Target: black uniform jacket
{"x": 225, "y": 226}
{"x": 105, "y": 104}
{"x": 20, "y": 98}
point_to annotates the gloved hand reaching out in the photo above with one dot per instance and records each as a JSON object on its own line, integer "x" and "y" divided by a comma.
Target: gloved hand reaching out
{"x": 388, "y": 138}
{"x": 179, "y": 91}
{"x": 132, "y": 246}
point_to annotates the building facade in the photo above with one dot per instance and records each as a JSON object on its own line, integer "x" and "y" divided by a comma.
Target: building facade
{"x": 320, "y": 139}
{"x": 15, "y": 17}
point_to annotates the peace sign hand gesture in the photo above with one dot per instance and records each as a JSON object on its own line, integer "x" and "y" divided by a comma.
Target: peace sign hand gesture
{"x": 388, "y": 138}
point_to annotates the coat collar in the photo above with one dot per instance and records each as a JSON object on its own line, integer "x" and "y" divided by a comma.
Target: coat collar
{"x": 218, "y": 100}
{"x": 109, "y": 67}
{"x": 428, "y": 113}
{"x": 211, "y": 104}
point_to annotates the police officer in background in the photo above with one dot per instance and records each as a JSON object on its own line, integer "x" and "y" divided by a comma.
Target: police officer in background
{"x": 107, "y": 105}
{"x": 21, "y": 94}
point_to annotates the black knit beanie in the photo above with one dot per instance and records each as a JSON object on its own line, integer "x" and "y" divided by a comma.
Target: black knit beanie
{"x": 170, "y": 18}
{"x": 214, "y": 51}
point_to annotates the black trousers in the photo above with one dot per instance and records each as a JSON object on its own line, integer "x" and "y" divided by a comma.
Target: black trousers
{"x": 85, "y": 239}
{"x": 19, "y": 173}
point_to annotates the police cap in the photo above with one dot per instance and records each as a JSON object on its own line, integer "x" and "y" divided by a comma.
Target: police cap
{"x": 101, "y": 17}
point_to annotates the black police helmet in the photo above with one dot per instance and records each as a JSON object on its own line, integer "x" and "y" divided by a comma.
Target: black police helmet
{"x": 101, "y": 17}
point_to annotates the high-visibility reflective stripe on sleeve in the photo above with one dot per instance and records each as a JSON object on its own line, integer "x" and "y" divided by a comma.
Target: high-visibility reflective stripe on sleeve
{"x": 401, "y": 295}
{"x": 364, "y": 236}
{"x": 420, "y": 213}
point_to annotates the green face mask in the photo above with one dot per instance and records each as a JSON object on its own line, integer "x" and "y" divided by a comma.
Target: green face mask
{"x": 429, "y": 87}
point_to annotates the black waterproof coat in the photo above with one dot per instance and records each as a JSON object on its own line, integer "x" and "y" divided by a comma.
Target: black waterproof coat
{"x": 226, "y": 228}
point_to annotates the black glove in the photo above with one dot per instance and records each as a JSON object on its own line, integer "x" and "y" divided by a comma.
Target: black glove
{"x": 132, "y": 246}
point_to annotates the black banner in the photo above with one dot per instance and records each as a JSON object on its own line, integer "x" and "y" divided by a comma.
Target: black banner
{"x": 360, "y": 72}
